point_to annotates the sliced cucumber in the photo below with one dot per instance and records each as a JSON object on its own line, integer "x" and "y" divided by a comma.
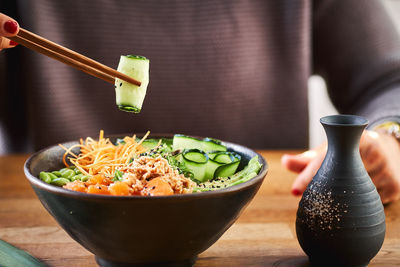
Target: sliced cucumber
{"x": 210, "y": 144}
{"x": 223, "y": 158}
{"x": 211, "y": 155}
{"x": 211, "y": 167}
{"x": 195, "y": 160}
{"x": 196, "y": 156}
{"x": 226, "y": 170}
{"x": 221, "y": 164}
{"x": 187, "y": 142}
{"x": 231, "y": 160}
{"x": 130, "y": 97}
{"x": 249, "y": 172}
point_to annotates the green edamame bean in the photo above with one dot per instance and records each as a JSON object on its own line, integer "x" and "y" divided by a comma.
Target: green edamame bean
{"x": 60, "y": 181}
{"x": 85, "y": 178}
{"x": 68, "y": 174}
{"x": 44, "y": 176}
{"x": 52, "y": 176}
{"x": 77, "y": 171}
{"x": 57, "y": 173}
{"x": 63, "y": 170}
{"x": 76, "y": 177}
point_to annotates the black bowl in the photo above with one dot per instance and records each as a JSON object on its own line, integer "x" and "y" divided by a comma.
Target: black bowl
{"x": 135, "y": 230}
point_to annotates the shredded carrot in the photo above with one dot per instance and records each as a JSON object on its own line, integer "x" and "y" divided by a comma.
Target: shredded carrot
{"x": 102, "y": 156}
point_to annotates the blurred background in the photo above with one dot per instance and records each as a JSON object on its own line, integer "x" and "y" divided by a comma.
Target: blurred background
{"x": 319, "y": 103}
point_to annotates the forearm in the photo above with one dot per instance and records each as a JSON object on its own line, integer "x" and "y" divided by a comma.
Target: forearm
{"x": 381, "y": 107}
{"x": 358, "y": 57}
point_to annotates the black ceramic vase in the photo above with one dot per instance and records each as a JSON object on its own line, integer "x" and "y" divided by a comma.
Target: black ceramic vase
{"x": 340, "y": 219}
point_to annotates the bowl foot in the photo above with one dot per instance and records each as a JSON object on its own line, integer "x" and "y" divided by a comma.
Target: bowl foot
{"x": 183, "y": 263}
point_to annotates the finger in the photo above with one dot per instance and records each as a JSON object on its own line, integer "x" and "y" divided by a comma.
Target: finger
{"x": 296, "y": 163}
{"x": 367, "y": 140}
{"x": 9, "y": 27}
{"x": 304, "y": 178}
{"x": 381, "y": 180}
{"x": 389, "y": 193}
{"x": 371, "y": 152}
{"x": 5, "y": 43}
{"x": 382, "y": 195}
{"x": 372, "y": 160}
{"x": 377, "y": 171}
{"x": 388, "y": 188}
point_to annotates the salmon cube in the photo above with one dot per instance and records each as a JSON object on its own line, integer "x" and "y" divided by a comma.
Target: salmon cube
{"x": 157, "y": 187}
{"x": 76, "y": 186}
{"x": 119, "y": 189}
{"x": 99, "y": 179}
{"x": 98, "y": 189}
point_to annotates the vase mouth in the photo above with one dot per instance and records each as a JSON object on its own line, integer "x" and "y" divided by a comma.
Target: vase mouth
{"x": 344, "y": 120}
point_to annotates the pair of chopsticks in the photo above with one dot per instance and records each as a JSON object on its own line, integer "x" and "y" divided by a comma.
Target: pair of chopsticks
{"x": 69, "y": 57}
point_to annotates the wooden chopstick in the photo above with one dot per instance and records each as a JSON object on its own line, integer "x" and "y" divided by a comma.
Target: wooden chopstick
{"x": 64, "y": 59}
{"x": 69, "y": 57}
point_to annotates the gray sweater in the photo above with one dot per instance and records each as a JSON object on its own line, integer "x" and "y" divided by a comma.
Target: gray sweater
{"x": 232, "y": 70}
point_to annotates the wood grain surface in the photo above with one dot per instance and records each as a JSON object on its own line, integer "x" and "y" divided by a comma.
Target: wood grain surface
{"x": 264, "y": 235}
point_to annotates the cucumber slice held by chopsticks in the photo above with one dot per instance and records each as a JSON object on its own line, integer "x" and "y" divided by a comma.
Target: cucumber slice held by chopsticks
{"x": 130, "y": 97}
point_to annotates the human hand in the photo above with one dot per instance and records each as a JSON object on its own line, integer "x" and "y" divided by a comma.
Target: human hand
{"x": 9, "y": 27}
{"x": 380, "y": 154}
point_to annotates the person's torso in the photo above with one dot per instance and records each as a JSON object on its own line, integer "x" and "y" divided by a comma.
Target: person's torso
{"x": 232, "y": 70}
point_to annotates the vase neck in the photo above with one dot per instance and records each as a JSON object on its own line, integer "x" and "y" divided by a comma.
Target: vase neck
{"x": 343, "y": 141}
{"x": 343, "y": 133}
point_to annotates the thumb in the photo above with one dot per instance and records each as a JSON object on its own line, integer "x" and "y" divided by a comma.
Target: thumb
{"x": 9, "y": 27}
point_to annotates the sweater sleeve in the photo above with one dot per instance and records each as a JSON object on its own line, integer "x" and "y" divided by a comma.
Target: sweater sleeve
{"x": 356, "y": 49}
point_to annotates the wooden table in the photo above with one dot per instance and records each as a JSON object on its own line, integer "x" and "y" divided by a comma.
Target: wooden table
{"x": 264, "y": 235}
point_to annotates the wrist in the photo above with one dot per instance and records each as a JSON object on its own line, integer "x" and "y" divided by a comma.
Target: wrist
{"x": 389, "y": 127}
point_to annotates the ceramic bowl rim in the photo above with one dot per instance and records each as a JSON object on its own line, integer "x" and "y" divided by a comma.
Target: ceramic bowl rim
{"x": 35, "y": 181}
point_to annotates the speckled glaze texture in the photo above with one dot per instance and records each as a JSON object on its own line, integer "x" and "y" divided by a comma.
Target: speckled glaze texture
{"x": 340, "y": 219}
{"x": 143, "y": 231}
